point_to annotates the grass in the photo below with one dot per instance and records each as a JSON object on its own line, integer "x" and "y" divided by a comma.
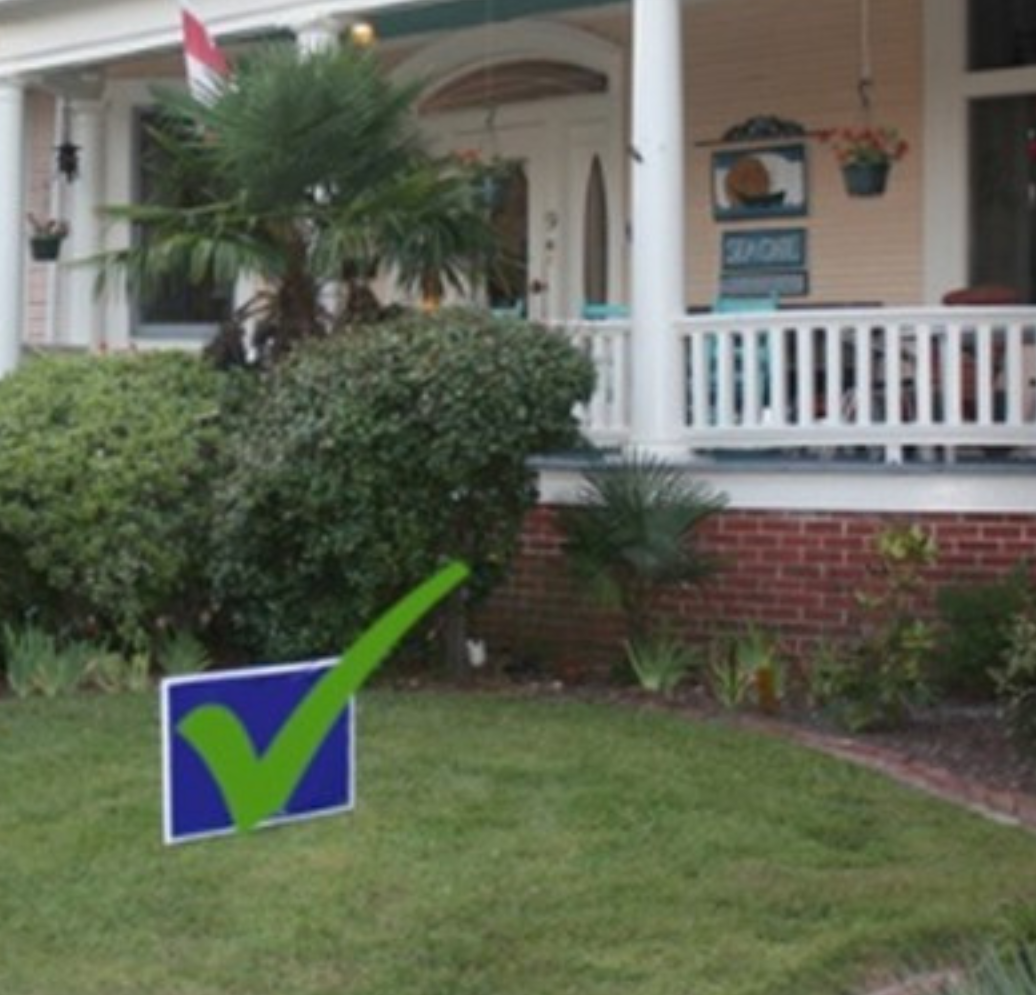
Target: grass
{"x": 499, "y": 847}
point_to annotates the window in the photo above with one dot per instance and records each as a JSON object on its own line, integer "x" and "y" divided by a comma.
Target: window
{"x": 595, "y": 236}
{"x": 175, "y": 307}
{"x": 1002, "y": 33}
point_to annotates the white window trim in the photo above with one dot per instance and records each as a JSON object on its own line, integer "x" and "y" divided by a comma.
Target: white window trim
{"x": 949, "y": 89}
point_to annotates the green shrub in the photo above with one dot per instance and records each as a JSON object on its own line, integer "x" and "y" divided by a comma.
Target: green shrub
{"x": 376, "y": 454}
{"x": 876, "y": 680}
{"x": 106, "y": 472}
{"x": 976, "y": 622}
{"x": 1016, "y": 680}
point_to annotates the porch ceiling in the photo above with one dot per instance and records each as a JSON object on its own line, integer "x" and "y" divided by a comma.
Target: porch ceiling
{"x": 454, "y": 14}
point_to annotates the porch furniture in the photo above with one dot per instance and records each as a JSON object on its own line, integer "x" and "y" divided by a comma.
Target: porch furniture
{"x": 605, "y": 312}
{"x": 733, "y": 362}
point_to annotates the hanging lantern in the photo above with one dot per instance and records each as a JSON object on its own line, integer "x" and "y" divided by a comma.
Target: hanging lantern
{"x": 68, "y": 160}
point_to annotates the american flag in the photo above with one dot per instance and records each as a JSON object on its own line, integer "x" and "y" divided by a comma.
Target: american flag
{"x": 206, "y": 65}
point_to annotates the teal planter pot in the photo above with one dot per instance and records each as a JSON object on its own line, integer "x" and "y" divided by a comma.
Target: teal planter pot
{"x": 865, "y": 179}
{"x": 45, "y": 248}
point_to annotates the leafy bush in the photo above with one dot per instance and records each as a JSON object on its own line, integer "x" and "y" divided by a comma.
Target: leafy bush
{"x": 106, "y": 470}
{"x": 1016, "y": 679}
{"x": 976, "y": 624}
{"x": 375, "y": 455}
{"x": 876, "y": 681}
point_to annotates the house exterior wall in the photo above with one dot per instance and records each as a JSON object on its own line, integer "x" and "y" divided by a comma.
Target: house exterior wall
{"x": 799, "y": 59}
{"x": 796, "y": 59}
{"x": 793, "y": 572}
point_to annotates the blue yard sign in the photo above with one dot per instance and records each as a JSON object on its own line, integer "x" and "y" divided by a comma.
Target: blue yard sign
{"x": 263, "y": 699}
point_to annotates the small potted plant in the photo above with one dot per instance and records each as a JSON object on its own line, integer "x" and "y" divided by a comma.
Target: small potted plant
{"x": 491, "y": 177}
{"x": 45, "y": 237}
{"x": 866, "y": 155}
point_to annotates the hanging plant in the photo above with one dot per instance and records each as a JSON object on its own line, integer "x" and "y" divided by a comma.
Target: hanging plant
{"x": 45, "y": 237}
{"x": 866, "y": 156}
{"x": 490, "y": 177}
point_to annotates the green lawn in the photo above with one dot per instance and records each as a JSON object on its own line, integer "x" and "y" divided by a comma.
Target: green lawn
{"x": 500, "y": 847}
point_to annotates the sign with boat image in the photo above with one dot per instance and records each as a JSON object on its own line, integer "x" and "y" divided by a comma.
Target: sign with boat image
{"x": 762, "y": 182}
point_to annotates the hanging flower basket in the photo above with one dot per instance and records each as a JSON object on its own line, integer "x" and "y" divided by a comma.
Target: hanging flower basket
{"x": 45, "y": 238}
{"x": 866, "y": 179}
{"x": 45, "y": 248}
{"x": 866, "y": 156}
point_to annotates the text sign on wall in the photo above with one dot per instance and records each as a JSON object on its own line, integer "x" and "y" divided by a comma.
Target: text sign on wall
{"x": 263, "y": 698}
{"x": 764, "y": 249}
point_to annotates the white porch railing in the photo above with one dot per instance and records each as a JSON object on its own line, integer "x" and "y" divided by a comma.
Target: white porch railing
{"x": 811, "y": 379}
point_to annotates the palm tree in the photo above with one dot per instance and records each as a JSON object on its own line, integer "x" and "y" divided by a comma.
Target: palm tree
{"x": 632, "y": 534}
{"x": 301, "y": 171}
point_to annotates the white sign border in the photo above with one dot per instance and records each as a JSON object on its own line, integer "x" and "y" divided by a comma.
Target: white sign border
{"x": 166, "y": 732}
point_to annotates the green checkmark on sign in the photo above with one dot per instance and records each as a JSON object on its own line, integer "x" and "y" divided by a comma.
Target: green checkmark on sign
{"x": 255, "y": 787}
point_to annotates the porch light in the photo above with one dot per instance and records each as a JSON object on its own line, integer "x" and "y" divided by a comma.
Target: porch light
{"x": 68, "y": 160}
{"x": 362, "y": 34}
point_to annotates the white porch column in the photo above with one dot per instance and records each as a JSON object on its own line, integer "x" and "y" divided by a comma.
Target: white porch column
{"x": 318, "y": 34}
{"x": 12, "y": 221}
{"x": 658, "y": 224}
{"x": 82, "y": 319}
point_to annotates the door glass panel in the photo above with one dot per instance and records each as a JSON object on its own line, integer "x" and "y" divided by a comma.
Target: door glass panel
{"x": 1003, "y": 220}
{"x": 172, "y": 304}
{"x": 1002, "y": 34}
{"x": 595, "y": 237}
{"x": 508, "y": 273}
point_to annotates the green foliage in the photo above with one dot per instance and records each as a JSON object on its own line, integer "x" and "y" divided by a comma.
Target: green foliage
{"x": 377, "y": 454}
{"x": 181, "y": 652}
{"x": 730, "y": 681}
{"x": 631, "y": 535}
{"x": 976, "y": 624}
{"x": 106, "y": 471}
{"x": 1016, "y": 680}
{"x": 746, "y": 666}
{"x": 660, "y": 661}
{"x": 36, "y": 664}
{"x": 114, "y": 673}
{"x": 881, "y": 677}
{"x": 305, "y": 171}
{"x": 999, "y": 972}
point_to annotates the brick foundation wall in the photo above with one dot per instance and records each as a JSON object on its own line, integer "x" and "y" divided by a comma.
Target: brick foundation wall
{"x": 793, "y": 572}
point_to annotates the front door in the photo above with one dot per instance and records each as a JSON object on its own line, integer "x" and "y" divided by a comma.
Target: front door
{"x": 558, "y": 218}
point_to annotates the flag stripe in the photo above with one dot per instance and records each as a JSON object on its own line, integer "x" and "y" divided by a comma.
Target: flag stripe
{"x": 206, "y": 64}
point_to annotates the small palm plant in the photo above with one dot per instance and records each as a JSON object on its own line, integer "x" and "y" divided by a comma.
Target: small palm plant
{"x": 633, "y": 535}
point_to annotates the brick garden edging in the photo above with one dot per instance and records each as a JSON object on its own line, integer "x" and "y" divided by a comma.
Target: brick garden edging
{"x": 1014, "y": 808}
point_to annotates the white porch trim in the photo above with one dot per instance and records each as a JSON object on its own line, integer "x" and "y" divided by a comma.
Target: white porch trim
{"x": 833, "y": 487}
{"x": 12, "y": 221}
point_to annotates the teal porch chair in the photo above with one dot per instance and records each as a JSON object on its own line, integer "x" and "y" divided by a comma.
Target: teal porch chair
{"x": 729, "y": 304}
{"x": 604, "y": 312}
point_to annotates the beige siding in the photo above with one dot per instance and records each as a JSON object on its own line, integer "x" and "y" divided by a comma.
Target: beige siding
{"x": 798, "y": 59}
{"x": 40, "y": 111}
